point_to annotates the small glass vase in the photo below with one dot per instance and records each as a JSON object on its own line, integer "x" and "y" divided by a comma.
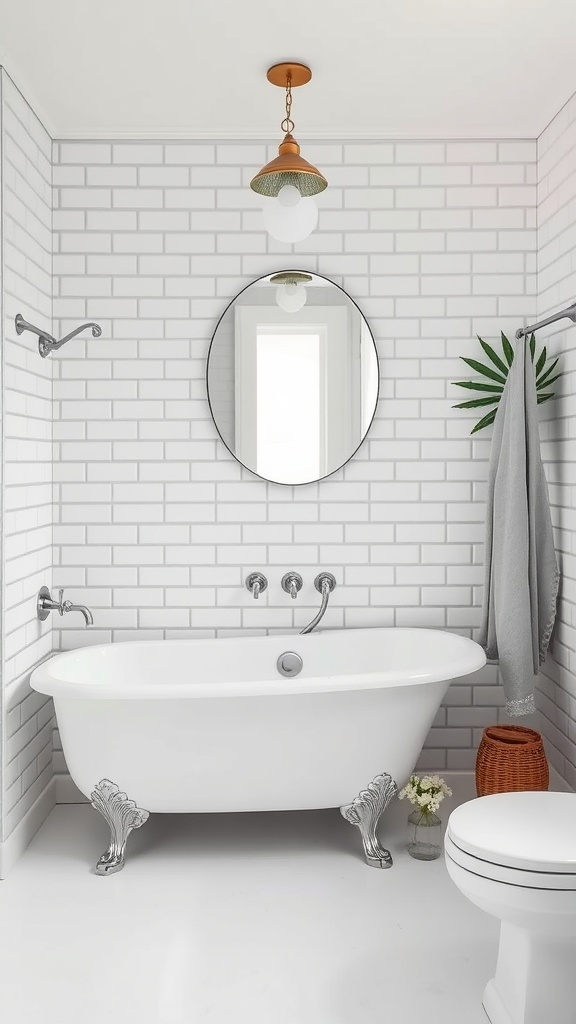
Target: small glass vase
{"x": 424, "y": 835}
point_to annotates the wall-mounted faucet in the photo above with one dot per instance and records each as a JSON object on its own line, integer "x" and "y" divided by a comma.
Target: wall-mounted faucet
{"x": 292, "y": 583}
{"x": 324, "y": 583}
{"x": 256, "y": 583}
{"x": 46, "y": 604}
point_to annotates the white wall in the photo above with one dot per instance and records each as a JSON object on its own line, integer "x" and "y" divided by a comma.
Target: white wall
{"x": 557, "y": 289}
{"x": 158, "y": 525}
{"x": 27, "y": 497}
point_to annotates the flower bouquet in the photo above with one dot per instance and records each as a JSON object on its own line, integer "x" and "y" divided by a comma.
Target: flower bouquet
{"x": 426, "y": 793}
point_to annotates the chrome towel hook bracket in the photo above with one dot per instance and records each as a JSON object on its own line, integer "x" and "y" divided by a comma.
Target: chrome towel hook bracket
{"x": 569, "y": 314}
{"x": 46, "y": 343}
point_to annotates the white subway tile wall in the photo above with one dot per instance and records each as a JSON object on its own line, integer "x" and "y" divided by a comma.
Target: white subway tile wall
{"x": 157, "y": 525}
{"x": 27, "y": 498}
{"x": 557, "y": 289}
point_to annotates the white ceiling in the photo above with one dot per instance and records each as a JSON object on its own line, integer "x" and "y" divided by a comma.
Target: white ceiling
{"x": 196, "y": 68}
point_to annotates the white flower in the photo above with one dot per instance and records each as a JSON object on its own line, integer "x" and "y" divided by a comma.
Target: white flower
{"x": 426, "y": 792}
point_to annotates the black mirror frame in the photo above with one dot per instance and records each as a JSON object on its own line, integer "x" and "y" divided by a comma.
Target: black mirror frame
{"x": 283, "y": 483}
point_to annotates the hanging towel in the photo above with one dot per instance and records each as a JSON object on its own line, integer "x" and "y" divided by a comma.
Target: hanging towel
{"x": 521, "y": 573}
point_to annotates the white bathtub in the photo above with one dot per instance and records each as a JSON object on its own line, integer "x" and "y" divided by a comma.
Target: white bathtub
{"x": 211, "y": 725}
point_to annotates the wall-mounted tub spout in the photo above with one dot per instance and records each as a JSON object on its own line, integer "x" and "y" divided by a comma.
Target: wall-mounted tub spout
{"x": 46, "y": 343}
{"x": 45, "y": 604}
{"x": 324, "y": 583}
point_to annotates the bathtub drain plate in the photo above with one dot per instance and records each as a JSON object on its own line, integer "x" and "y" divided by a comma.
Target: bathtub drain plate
{"x": 289, "y": 664}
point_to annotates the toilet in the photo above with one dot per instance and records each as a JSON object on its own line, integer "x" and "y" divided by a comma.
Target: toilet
{"x": 514, "y": 856}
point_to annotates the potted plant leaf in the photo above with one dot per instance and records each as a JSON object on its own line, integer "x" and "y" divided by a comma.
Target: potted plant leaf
{"x": 495, "y": 376}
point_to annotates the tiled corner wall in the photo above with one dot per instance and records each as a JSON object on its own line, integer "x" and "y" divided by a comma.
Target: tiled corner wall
{"x": 26, "y": 229}
{"x": 557, "y": 288}
{"x": 158, "y": 525}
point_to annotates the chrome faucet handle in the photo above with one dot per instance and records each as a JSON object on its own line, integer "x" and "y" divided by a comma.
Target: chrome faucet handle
{"x": 325, "y": 581}
{"x": 256, "y": 583}
{"x": 292, "y": 584}
{"x": 68, "y": 606}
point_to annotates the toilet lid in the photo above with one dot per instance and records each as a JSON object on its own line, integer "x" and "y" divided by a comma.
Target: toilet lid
{"x": 535, "y": 831}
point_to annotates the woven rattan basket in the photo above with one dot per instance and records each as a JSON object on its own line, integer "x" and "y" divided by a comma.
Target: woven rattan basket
{"x": 510, "y": 757}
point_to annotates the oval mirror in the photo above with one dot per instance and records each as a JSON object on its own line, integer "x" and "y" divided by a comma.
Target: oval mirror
{"x": 292, "y": 377}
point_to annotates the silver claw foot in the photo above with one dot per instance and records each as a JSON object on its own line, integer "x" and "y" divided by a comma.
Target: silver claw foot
{"x": 365, "y": 812}
{"x": 122, "y": 816}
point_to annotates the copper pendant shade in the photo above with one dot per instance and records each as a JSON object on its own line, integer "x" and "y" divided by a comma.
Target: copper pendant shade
{"x": 289, "y": 168}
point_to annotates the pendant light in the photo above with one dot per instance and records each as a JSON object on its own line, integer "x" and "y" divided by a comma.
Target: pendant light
{"x": 290, "y": 290}
{"x": 289, "y": 182}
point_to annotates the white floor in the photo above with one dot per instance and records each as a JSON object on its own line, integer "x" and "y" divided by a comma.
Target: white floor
{"x": 238, "y": 919}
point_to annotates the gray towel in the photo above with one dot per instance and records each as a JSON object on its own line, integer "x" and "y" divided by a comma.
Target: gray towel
{"x": 521, "y": 573}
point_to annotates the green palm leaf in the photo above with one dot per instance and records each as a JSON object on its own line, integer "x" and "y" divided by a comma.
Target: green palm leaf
{"x": 495, "y": 358}
{"x": 544, "y": 376}
{"x": 541, "y": 361}
{"x": 485, "y": 422}
{"x": 477, "y": 402}
{"x": 540, "y": 380}
{"x": 507, "y": 349}
{"x": 476, "y": 385}
{"x": 486, "y": 371}
{"x": 546, "y": 383}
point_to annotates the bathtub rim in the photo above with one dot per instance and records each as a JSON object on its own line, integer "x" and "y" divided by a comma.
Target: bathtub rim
{"x": 468, "y": 658}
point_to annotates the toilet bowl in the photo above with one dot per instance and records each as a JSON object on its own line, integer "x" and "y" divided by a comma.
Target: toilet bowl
{"x": 514, "y": 856}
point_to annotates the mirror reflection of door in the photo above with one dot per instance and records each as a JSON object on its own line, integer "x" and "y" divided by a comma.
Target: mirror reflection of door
{"x": 294, "y": 414}
{"x": 293, "y": 393}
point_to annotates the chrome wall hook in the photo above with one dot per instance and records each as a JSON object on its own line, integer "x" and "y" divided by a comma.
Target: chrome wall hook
{"x": 46, "y": 343}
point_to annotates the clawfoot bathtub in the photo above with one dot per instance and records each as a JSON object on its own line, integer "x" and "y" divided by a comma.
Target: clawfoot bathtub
{"x": 237, "y": 725}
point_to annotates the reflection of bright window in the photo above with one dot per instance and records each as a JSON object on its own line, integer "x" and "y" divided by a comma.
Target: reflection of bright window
{"x": 288, "y": 406}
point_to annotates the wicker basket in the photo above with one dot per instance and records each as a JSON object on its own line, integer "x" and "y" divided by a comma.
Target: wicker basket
{"x": 510, "y": 757}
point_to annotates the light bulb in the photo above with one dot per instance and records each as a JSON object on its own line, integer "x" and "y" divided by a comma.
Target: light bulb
{"x": 288, "y": 195}
{"x": 290, "y": 296}
{"x": 290, "y": 223}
